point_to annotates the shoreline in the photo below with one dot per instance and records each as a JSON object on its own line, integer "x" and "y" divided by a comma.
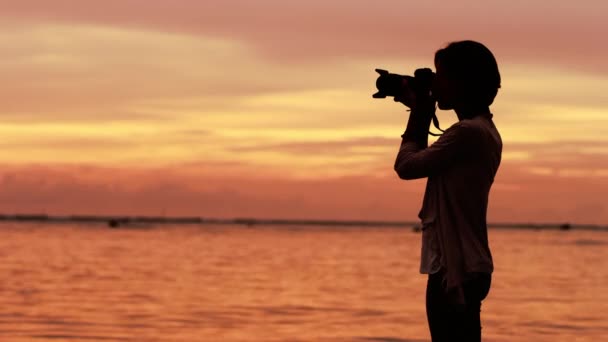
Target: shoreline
{"x": 117, "y": 220}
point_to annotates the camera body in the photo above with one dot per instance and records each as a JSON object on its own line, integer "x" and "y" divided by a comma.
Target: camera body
{"x": 395, "y": 85}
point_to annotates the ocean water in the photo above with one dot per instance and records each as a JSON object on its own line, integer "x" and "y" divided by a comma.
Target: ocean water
{"x": 262, "y": 283}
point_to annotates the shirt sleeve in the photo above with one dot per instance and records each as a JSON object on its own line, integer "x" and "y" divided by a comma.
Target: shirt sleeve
{"x": 415, "y": 161}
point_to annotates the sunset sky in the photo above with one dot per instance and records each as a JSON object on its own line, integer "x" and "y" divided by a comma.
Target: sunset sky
{"x": 263, "y": 108}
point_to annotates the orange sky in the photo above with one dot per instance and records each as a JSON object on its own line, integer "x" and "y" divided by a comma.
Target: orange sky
{"x": 264, "y": 109}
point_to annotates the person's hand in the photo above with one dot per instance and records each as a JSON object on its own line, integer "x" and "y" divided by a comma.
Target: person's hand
{"x": 417, "y": 101}
{"x": 408, "y": 97}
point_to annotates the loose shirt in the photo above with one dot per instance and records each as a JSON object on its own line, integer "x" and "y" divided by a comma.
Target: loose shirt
{"x": 460, "y": 166}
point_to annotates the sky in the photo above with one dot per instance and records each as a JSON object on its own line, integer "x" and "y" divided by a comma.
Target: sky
{"x": 263, "y": 109}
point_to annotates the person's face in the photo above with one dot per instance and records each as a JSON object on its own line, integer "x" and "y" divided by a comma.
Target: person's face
{"x": 444, "y": 89}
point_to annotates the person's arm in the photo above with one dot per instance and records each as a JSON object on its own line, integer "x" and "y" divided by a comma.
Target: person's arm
{"x": 418, "y": 160}
{"x": 415, "y": 158}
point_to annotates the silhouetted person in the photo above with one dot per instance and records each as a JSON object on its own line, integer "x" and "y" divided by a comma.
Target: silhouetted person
{"x": 460, "y": 167}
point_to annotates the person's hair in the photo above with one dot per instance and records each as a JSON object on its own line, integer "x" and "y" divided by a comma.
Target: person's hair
{"x": 473, "y": 66}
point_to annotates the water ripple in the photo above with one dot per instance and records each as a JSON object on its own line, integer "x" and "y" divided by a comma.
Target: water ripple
{"x": 79, "y": 337}
{"x": 388, "y": 339}
{"x": 272, "y": 285}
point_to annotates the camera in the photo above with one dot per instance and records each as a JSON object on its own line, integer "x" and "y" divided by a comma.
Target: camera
{"x": 394, "y": 84}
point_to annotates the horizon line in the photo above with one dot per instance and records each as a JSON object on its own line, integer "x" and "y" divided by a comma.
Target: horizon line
{"x": 125, "y": 219}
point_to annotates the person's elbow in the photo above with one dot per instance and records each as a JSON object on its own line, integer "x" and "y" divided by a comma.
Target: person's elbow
{"x": 406, "y": 173}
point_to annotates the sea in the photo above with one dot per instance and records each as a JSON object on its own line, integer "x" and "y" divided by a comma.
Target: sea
{"x": 272, "y": 283}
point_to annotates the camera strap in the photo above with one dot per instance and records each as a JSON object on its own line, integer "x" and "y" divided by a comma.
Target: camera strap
{"x": 436, "y": 124}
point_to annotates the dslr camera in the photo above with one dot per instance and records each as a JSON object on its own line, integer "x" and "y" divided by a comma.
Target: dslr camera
{"x": 395, "y": 85}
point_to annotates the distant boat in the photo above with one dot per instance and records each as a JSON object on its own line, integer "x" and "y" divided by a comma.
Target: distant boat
{"x": 417, "y": 228}
{"x": 113, "y": 223}
{"x": 565, "y": 226}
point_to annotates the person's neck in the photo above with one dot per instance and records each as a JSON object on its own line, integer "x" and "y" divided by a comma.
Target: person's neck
{"x": 470, "y": 112}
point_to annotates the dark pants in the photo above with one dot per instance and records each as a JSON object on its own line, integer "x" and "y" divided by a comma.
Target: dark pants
{"x": 451, "y": 322}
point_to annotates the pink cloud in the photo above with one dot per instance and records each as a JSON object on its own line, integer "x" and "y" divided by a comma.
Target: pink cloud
{"x": 205, "y": 190}
{"x": 559, "y": 33}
